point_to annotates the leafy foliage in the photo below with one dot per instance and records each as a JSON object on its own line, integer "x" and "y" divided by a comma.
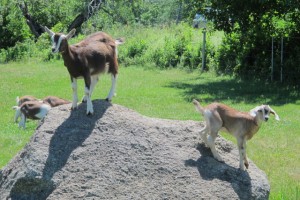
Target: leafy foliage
{"x": 249, "y": 29}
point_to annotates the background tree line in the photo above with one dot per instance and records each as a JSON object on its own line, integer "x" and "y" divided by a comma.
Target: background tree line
{"x": 245, "y": 51}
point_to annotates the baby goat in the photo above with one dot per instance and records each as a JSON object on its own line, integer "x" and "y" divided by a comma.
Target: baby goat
{"x": 54, "y": 101}
{"x": 32, "y": 110}
{"x": 25, "y": 98}
{"x": 87, "y": 59}
{"x": 240, "y": 124}
{"x": 20, "y": 101}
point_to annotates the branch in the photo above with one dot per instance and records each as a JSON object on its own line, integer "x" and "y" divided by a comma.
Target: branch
{"x": 34, "y": 26}
{"x": 90, "y": 10}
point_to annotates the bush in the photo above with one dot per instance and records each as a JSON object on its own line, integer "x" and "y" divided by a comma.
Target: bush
{"x": 167, "y": 46}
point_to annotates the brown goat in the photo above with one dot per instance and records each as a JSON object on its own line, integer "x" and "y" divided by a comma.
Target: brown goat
{"x": 20, "y": 101}
{"x": 54, "y": 101}
{"x": 31, "y": 110}
{"x": 87, "y": 59}
{"x": 25, "y": 98}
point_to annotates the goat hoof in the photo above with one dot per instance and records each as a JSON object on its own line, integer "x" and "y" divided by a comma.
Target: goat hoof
{"x": 73, "y": 108}
{"x": 246, "y": 165}
{"x": 89, "y": 113}
{"x": 242, "y": 169}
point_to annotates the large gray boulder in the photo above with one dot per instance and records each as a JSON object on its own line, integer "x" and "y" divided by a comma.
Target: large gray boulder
{"x": 120, "y": 154}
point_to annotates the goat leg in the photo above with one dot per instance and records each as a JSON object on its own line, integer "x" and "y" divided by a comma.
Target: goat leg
{"x": 87, "y": 93}
{"x": 113, "y": 87}
{"x": 74, "y": 90}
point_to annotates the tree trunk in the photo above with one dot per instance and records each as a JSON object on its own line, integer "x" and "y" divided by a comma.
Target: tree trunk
{"x": 34, "y": 26}
{"x": 89, "y": 11}
{"x": 37, "y": 29}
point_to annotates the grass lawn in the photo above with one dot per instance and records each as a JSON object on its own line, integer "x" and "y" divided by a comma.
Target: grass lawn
{"x": 167, "y": 94}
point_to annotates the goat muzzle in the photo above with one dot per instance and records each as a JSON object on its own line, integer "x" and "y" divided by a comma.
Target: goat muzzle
{"x": 266, "y": 119}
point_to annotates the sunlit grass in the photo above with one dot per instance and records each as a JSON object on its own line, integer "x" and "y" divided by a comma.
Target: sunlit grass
{"x": 167, "y": 94}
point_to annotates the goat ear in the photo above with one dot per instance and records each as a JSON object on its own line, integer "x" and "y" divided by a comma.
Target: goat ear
{"x": 71, "y": 33}
{"x": 255, "y": 110}
{"x": 51, "y": 33}
{"x": 274, "y": 113}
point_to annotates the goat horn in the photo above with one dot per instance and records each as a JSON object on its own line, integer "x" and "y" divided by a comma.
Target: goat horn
{"x": 71, "y": 33}
{"x": 51, "y": 33}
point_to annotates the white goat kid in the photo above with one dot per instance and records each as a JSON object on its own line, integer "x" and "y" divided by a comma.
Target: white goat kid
{"x": 240, "y": 124}
{"x": 88, "y": 59}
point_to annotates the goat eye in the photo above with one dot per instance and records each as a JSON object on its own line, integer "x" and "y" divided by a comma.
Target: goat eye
{"x": 266, "y": 111}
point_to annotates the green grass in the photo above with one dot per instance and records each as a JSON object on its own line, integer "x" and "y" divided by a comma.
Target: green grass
{"x": 167, "y": 94}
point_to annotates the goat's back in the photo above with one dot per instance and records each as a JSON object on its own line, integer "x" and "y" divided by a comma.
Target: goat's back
{"x": 230, "y": 117}
{"x": 98, "y": 37}
{"x": 25, "y": 98}
{"x": 54, "y": 101}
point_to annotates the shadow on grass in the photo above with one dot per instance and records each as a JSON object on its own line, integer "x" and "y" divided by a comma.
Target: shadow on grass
{"x": 236, "y": 91}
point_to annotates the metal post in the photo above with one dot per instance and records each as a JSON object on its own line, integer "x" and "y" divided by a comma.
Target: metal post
{"x": 281, "y": 61}
{"x": 203, "y": 50}
{"x": 272, "y": 61}
{"x": 178, "y": 18}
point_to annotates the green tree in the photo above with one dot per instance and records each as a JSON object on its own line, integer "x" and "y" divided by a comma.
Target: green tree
{"x": 249, "y": 28}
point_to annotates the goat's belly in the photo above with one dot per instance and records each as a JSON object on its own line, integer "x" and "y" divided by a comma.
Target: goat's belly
{"x": 78, "y": 77}
{"x": 99, "y": 70}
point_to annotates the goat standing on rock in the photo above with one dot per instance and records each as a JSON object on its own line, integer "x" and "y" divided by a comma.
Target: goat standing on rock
{"x": 242, "y": 125}
{"x": 88, "y": 59}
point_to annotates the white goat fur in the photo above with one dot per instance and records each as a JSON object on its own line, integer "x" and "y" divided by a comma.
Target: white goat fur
{"x": 242, "y": 125}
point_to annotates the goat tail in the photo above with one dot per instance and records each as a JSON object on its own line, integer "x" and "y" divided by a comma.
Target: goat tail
{"x": 18, "y": 112}
{"x": 199, "y": 108}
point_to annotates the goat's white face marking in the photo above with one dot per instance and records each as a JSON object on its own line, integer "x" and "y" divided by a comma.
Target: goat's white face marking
{"x": 265, "y": 112}
{"x": 56, "y": 44}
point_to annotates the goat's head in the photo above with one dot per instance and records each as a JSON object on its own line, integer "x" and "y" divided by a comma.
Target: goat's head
{"x": 263, "y": 112}
{"x": 59, "y": 40}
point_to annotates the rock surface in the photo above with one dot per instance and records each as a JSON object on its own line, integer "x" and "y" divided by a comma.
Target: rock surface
{"x": 120, "y": 154}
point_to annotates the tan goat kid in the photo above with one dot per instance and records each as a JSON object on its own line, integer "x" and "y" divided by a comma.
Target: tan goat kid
{"x": 240, "y": 124}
